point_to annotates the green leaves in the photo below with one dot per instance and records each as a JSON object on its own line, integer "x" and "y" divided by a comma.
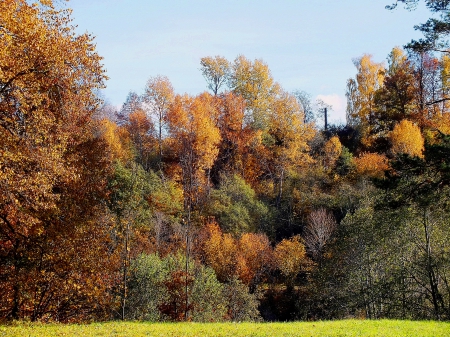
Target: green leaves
{"x": 236, "y": 206}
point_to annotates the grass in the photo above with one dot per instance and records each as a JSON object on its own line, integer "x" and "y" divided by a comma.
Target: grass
{"x": 351, "y": 328}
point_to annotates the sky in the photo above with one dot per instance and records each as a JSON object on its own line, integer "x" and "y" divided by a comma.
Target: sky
{"x": 308, "y": 45}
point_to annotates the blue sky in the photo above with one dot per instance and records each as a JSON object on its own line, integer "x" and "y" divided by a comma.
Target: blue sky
{"x": 308, "y": 45}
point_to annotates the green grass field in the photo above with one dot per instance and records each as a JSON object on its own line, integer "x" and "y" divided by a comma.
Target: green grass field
{"x": 388, "y": 328}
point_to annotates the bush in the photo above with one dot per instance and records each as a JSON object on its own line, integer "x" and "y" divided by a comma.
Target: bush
{"x": 155, "y": 295}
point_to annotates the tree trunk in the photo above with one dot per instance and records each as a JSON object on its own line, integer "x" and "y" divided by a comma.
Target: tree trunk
{"x": 429, "y": 265}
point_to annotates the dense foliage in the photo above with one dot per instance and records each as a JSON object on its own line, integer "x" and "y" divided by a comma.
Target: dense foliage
{"x": 230, "y": 205}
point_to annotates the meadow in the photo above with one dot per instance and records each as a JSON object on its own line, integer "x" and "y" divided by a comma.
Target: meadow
{"x": 350, "y": 328}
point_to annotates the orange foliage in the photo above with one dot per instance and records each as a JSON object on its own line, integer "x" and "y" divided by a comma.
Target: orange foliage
{"x": 55, "y": 263}
{"x": 254, "y": 258}
{"x": 195, "y": 139}
{"x": 371, "y": 164}
{"x": 220, "y": 252}
{"x": 231, "y": 125}
{"x": 140, "y": 128}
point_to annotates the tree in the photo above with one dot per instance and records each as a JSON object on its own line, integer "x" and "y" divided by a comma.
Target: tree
{"x": 117, "y": 139}
{"x": 254, "y": 259}
{"x": 52, "y": 172}
{"x": 254, "y": 82}
{"x": 220, "y": 252}
{"x": 360, "y": 95}
{"x": 371, "y": 164}
{"x": 434, "y": 29}
{"x": 236, "y": 207}
{"x": 428, "y": 88}
{"x": 140, "y": 129}
{"x": 445, "y": 84}
{"x": 192, "y": 123}
{"x": 304, "y": 100}
{"x": 234, "y": 134}
{"x": 319, "y": 229}
{"x": 406, "y": 138}
{"x": 332, "y": 151}
{"x": 286, "y": 141}
{"x": 419, "y": 187}
{"x": 216, "y": 72}
{"x": 179, "y": 288}
{"x": 159, "y": 96}
{"x": 242, "y": 306}
{"x": 132, "y": 103}
{"x": 290, "y": 257}
{"x": 193, "y": 128}
{"x": 129, "y": 189}
{"x": 396, "y": 99}
{"x": 157, "y": 292}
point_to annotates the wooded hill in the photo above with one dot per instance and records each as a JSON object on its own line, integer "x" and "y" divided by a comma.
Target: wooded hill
{"x": 235, "y": 204}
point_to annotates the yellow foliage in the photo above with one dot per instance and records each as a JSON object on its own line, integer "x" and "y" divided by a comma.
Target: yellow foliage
{"x": 254, "y": 82}
{"x": 442, "y": 124}
{"x": 406, "y": 138}
{"x": 445, "y": 75}
{"x": 47, "y": 79}
{"x": 290, "y": 256}
{"x": 117, "y": 139}
{"x": 288, "y": 130}
{"x": 53, "y": 170}
{"x": 332, "y": 149}
{"x": 361, "y": 93}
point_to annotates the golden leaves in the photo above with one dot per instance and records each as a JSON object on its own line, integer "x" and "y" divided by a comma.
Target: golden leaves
{"x": 407, "y": 138}
{"x": 290, "y": 256}
{"x": 361, "y": 93}
{"x": 332, "y": 150}
{"x": 192, "y": 122}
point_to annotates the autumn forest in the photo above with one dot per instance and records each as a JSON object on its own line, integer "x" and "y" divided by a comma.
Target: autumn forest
{"x": 238, "y": 204}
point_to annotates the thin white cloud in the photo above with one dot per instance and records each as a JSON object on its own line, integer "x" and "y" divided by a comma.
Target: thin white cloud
{"x": 338, "y": 104}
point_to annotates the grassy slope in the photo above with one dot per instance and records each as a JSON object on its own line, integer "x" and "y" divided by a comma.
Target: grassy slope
{"x": 134, "y": 329}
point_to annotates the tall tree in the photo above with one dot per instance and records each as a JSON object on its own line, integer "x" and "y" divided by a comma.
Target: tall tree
{"x": 159, "y": 96}
{"x": 254, "y": 82}
{"x": 395, "y": 100}
{"x": 234, "y": 134}
{"x": 416, "y": 190}
{"x": 360, "y": 95}
{"x": 304, "y": 100}
{"x": 216, "y": 71}
{"x": 51, "y": 167}
{"x": 286, "y": 140}
{"x": 141, "y": 131}
{"x": 435, "y": 30}
{"x": 132, "y": 103}
{"x": 192, "y": 125}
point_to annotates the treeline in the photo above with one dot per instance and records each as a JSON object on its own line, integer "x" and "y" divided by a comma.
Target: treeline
{"x": 230, "y": 205}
